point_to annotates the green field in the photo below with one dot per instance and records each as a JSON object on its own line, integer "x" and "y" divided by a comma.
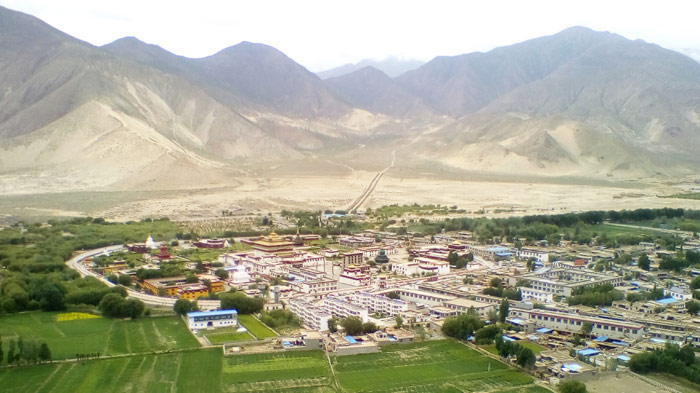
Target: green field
{"x": 195, "y": 371}
{"x": 536, "y": 348}
{"x": 255, "y": 327}
{"x": 101, "y": 335}
{"x": 306, "y": 371}
{"x": 225, "y": 335}
{"x": 434, "y": 366}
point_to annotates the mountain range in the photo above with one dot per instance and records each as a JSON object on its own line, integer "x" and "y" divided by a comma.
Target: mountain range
{"x": 130, "y": 115}
{"x": 391, "y": 66}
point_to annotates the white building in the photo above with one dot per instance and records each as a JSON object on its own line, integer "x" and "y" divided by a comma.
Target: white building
{"x": 315, "y": 286}
{"x": 538, "y": 255}
{"x": 427, "y": 265}
{"x": 355, "y": 276}
{"x": 312, "y": 316}
{"x": 405, "y": 269}
{"x": 574, "y": 322}
{"x": 679, "y": 293}
{"x": 212, "y": 319}
{"x": 462, "y": 306}
{"x": 343, "y": 309}
{"x": 536, "y": 295}
{"x": 379, "y": 303}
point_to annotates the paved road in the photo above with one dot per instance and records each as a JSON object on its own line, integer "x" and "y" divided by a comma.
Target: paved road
{"x": 357, "y": 203}
{"x": 670, "y": 231}
{"x": 76, "y": 264}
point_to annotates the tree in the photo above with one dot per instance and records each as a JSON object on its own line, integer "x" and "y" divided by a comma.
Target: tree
{"x": 393, "y": 295}
{"x": 125, "y": 280}
{"x": 115, "y": 306}
{"x": 692, "y": 307}
{"x": 572, "y": 386}
{"x": 133, "y": 308}
{"x": 421, "y": 332}
{"x": 11, "y": 353}
{"x": 44, "y": 353}
{"x": 20, "y": 349}
{"x": 2, "y": 354}
{"x": 503, "y": 310}
{"x": 183, "y": 306}
{"x": 332, "y": 325}
{"x": 352, "y": 325}
{"x": 221, "y": 273}
{"x": 369, "y": 327}
{"x": 526, "y": 358}
{"x": 462, "y": 326}
{"x": 643, "y": 262}
{"x": 492, "y": 315}
{"x": 240, "y": 302}
{"x": 191, "y": 278}
{"x": 487, "y": 334}
{"x": 397, "y": 319}
{"x": 586, "y": 328}
{"x": 695, "y": 284}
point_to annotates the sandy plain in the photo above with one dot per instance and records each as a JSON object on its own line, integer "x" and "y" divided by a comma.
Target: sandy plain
{"x": 255, "y": 195}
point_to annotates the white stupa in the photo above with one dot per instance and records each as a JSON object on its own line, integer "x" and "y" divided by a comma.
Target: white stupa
{"x": 240, "y": 275}
{"x": 150, "y": 243}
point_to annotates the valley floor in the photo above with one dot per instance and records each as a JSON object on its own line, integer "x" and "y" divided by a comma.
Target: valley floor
{"x": 250, "y": 196}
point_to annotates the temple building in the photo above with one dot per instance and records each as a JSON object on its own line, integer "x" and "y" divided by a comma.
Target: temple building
{"x": 381, "y": 258}
{"x": 273, "y": 244}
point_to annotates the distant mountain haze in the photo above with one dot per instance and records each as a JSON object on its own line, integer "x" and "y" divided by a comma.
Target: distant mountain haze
{"x": 131, "y": 115}
{"x": 391, "y": 66}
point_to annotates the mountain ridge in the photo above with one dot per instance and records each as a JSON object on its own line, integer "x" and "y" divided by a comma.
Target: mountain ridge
{"x": 577, "y": 103}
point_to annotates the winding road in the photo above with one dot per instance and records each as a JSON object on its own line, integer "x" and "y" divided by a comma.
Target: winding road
{"x": 75, "y": 263}
{"x": 357, "y": 203}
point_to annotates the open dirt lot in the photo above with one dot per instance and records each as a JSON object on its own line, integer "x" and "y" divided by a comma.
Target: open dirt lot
{"x": 621, "y": 383}
{"x": 257, "y": 195}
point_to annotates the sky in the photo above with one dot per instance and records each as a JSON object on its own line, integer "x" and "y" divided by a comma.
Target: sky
{"x": 322, "y": 34}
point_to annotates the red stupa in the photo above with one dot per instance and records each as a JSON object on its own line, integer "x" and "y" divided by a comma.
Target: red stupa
{"x": 164, "y": 253}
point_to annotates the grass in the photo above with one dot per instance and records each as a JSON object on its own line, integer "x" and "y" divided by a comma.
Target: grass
{"x": 225, "y": 335}
{"x": 255, "y": 327}
{"x": 687, "y": 195}
{"x": 306, "y": 371}
{"x": 678, "y": 383}
{"x": 534, "y": 347}
{"x": 195, "y": 371}
{"x": 97, "y": 335}
{"x": 433, "y": 366}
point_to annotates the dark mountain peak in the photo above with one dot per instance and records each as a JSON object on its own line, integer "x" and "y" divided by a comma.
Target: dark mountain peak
{"x": 249, "y": 51}
{"x": 22, "y": 31}
{"x": 391, "y": 66}
{"x": 370, "y": 72}
{"x": 371, "y": 89}
{"x": 264, "y": 75}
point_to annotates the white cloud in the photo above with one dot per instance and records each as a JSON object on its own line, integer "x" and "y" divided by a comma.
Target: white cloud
{"x": 322, "y": 34}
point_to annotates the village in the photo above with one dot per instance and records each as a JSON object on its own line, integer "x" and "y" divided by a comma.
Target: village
{"x": 409, "y": 286}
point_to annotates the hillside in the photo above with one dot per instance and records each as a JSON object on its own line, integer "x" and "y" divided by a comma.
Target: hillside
{"x": 131, "y": 115}
{"x": 391, "y": 66}
{"x": 372, "y": 90}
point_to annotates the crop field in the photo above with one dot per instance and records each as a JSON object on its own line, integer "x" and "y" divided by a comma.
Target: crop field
{"x": 106, "y": 336}
{"x": 195, "y": 371}
{"x": 225, "y": 335}
{"x": 306, "y": 371}
{"x": 254, "y": 326}
{"x": 435, "y": 366}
